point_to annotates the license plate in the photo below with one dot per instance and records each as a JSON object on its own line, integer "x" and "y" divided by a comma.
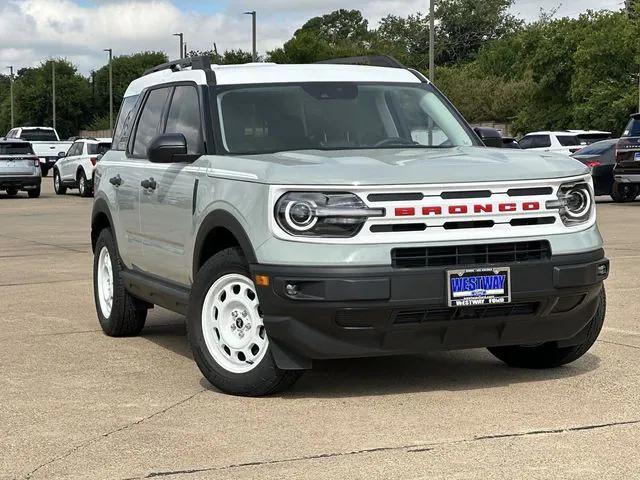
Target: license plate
{"x": 478, "y": 286}
{"x": 636, "y": 156}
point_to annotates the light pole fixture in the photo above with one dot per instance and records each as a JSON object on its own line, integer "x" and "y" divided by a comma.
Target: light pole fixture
{"x": 110, "y": 51}
{"x": 181, "y": 35}
{"x": 11, "y": 88}
{"x": 254, "y": 51}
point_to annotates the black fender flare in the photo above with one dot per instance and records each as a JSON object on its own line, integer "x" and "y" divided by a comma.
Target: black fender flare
{"x": 221, "y": 219}
{"x": 100, "y": 207}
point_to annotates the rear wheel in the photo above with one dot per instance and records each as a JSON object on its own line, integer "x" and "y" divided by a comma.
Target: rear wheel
{"x": 226, "y": 331}
{"x": 549, "y": 355}
{"x": 117, "y": 310}
{"x": 45, "y": 171}
{"x": 12, "y": 192}
{"x": 57, "y": 183}
{"x": 34, "y": 193}
{"x": 624, "y": 192}
{"x": 83, "y": 185}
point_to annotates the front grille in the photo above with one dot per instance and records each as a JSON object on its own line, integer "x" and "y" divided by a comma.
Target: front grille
{"x": 460, "y": 255}
{"x": 440, "y": 314}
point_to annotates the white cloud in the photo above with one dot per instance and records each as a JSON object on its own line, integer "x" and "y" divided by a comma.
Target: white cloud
{"x": 33, "y": 30}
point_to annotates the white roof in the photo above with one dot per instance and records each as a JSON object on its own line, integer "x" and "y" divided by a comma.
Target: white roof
{"x": 580, "y": 132}
{"x": 263, "y": 73}
{"x": 557, "y": 134}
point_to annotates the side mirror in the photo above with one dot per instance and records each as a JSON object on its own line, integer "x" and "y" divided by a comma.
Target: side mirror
{"x": 164, "y": 148}
{"x": 61, "y": 154}
{"x": 489, "y": 136}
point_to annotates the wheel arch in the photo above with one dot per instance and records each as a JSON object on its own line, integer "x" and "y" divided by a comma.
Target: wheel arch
{"x": 100, "y": 219}
{"x": 222, "y": 226}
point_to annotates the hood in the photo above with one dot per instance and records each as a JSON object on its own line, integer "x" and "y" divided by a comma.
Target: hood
{"x": 402, "y": 166}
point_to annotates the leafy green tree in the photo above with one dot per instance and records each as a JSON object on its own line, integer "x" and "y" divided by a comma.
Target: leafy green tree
{"x": 33, "y": 98}
{"x": 405, "y": 38}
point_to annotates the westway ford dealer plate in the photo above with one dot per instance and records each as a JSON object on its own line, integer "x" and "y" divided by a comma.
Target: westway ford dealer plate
{"x": 479, "y": 286}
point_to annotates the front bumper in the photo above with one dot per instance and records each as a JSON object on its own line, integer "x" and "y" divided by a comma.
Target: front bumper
{"x": 29, "y": 182}
{"x": 347, "y": 312}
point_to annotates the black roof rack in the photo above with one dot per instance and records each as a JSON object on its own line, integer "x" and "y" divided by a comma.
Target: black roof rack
{"x": 196, "y": 63}
{"x": 369, "y": 60}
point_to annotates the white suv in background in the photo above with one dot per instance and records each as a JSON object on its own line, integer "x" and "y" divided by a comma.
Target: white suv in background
{"x": 75, "y": 169}
{"x": 557, "y": 142}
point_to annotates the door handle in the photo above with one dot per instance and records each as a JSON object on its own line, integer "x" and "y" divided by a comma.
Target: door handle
{"x": 115, "y": 181}
{"x": 150, "y": 184}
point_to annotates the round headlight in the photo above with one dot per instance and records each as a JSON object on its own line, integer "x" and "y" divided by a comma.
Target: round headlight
{"x": 577, "y": 202}
{"x": 300, "y": 216}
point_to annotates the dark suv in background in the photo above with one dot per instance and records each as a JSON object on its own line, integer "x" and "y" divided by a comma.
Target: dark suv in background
{"x": 626, "y": 173}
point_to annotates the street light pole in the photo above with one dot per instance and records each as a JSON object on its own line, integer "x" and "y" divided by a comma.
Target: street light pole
{"x": 254, "y": 50}
{"x": 432, "y": 40}
{"x": 11, "y": 89}
{"x": 53, "y": 85}
{"x": 110, "y": 51}
{"x": 185, "y": 50}
{"x": 181, "y": 35}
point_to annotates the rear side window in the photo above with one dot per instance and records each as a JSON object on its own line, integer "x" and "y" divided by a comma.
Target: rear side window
{"x": 98, "y": 148}
{"x": 633, "y": 128}
{"x": 184, "y": 117}
{"x": 149, "y": 122}
{"x": 123, "y": 125}
{"x": 568, "y": 140}
{"x": 15, "y": 149}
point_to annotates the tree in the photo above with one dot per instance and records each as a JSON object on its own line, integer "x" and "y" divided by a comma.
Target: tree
{"x": 405, "y": 38}
{"x": 33, "y": 98}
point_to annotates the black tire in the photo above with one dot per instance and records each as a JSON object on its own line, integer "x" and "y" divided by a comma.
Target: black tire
{"x": 83, "y": 185}
{"x": 549, "y": 355}
{"x": 57, "y": 183}
{"x": 624, "y": 192}
{"x": 12, "y": 192}
{"x": 265, "y": 378}
{"x": 34, "y": 193}
{"x": 45, "y": 171}
{"x": 126, "y": 317}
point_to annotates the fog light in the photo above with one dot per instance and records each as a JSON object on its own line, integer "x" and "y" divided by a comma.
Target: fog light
{"x": 291, "y": 289}
{"x": 603, "y": 270}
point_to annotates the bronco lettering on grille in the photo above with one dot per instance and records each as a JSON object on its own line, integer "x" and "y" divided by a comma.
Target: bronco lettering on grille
{"x": 437, "y": 210}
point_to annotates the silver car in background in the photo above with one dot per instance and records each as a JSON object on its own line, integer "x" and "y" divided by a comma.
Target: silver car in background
{"x": 19, "y": 168}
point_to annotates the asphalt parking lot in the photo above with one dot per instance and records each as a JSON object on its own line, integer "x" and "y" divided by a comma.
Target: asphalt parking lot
{"x": 77, "y": 404}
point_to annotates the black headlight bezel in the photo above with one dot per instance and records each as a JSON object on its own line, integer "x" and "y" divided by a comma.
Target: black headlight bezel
{"x": 334, "y": 214}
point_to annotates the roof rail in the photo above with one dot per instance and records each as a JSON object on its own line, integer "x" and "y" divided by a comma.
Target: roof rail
{"x": 196, "y": 63}
{"x": 370, "y": 60}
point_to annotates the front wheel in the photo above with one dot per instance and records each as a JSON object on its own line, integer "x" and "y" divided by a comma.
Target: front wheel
{"x": 226, "y": 331}
{"x": 549, "y": 355}
{"x": 624, "y": 192}
{"x": 83, "y": 185}
{"x": 57, "y": 183}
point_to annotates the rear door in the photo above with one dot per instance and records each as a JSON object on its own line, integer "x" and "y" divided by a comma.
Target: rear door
{"x": 166, "y": 210}
{"x": 66, "y": 163}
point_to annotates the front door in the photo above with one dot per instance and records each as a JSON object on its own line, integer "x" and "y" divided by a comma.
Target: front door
{"x": 166, "y": 204}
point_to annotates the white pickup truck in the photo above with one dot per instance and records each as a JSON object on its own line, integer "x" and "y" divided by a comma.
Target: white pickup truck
{"x": 45, "y": 142}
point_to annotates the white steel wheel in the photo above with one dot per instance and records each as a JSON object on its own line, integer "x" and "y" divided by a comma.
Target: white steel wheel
{"x": 105, "y": 282}
{"x": 232, "y": 325}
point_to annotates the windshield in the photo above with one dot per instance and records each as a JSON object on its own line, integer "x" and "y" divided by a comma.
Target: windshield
{"x": 15, "y": 149}
{"x": 633, "y": 128}
{"x": 39, "y": 135}
{"x": 568, "y": 140}
{"x": 335, "y": 116}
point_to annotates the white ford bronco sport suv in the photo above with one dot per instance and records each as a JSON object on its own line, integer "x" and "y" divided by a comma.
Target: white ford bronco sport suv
{"x": 304, "y": 212}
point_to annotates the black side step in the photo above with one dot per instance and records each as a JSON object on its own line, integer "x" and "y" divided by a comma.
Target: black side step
{"x": 158, "y": 292}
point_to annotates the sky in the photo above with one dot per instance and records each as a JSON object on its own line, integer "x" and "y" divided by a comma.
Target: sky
{"x": 34, "y": 30}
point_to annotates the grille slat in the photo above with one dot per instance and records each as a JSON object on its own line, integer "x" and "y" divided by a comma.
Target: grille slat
{"x": 404, "y": 317}
{"x": 462, "y": 255}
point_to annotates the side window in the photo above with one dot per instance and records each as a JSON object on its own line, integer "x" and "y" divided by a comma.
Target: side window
{"x": 149, "y": 121}
{"x": 123, "y": 125}
{"x": 184, "y": 117}
{"x": 526, "y": 142}
{"x": 543, "y": 141}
